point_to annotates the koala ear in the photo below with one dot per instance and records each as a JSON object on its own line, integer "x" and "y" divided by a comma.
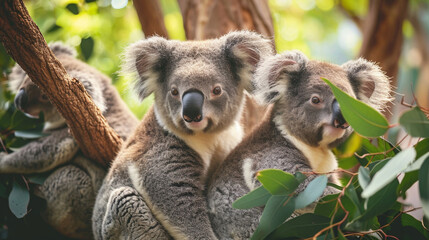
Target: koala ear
{"x": 369, "y": 82}
{"x": 273, "y": 74}
{"x": 145, "y": 60}
{"x": 59, "y": 48}
{"x": 244, "y": 50}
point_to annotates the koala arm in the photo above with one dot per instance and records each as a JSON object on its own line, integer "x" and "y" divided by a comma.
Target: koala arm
{"x": 41, "y": 155}
{"x": 173, "y": 190}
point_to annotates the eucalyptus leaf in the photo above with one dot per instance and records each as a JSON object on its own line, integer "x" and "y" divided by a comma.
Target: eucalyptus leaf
{"x": 19, "y": 198}
{"x": 87, "y": 47}
{"x": 409, "y": 179}
{"x": 365, "y": 120}
{"x": 277, "y": 210}
{"x": 31, "y": 134}
{"x": 364, "y": 177}
{"x": 424, "y": 187}
{"x": 416, "y": 165}
{"x": 390, "y": 171}
{"x": 312, "y": 192}
{"x": 277, "y": 182}
{"x": 255, "y": 198}
{"x": 381, "y": 201}
{"x": 415, "y": 123}
{"x": 304, "y": 226}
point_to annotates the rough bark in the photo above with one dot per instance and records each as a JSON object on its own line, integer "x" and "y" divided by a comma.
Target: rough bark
{"x": 204, "y": 19}
{"x": 151, "y": 17}
{"x": 24, "y": 42}
{"x": 382, "y": 36}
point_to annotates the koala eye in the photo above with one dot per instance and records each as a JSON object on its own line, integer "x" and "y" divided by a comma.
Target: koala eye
{"x": 315, "y": 100}
{"x": 217, "y": 90}
{"x": 174, "y": 91}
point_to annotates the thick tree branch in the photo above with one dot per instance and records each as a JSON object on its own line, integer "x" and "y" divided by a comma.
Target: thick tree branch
{"x": 382, "y": 36}
{"x": 23, "y": 41}
{"x": 355, "y": 18}
{"x": 151, "y": 17}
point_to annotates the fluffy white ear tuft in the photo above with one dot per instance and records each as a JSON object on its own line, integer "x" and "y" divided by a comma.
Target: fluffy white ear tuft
{"x": 144, "y": 60}
{"x": 369, "y": 82}
{"x": 244, "y": 50}
{"x": 272, "y": 75}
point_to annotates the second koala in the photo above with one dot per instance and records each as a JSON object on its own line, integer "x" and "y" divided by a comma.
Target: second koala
{"x": 297, "y": 134}
{"x": 154, "y": 189}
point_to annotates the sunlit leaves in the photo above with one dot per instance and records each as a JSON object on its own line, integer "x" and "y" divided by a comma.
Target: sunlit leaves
{"x": 277, "y": 182}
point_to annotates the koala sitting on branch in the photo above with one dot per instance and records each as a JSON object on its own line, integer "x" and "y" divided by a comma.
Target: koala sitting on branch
{"x": 302, "y": 126}
{"x": 154, "y": 189}
{"x": 71, "y": 187}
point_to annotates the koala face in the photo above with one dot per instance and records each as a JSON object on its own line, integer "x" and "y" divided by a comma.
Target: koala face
{"x": 198, "y": 85}
{"x": 305, "y": 106}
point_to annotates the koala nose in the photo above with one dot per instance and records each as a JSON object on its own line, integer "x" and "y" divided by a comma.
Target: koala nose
{"x": 338, "y": 120}
{"x": 192, "y": 106}
{"x": 21, "y": 99}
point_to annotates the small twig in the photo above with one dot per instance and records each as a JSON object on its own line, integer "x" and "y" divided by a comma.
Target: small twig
{"x": 379, "y": 153}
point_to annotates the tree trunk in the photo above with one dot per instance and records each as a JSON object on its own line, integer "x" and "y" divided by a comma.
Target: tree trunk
{"x": 204, "y": 19}
{"x": 382, "y": 36}
{"x": 151, "y": 17}
{"x": 23, "y": 41}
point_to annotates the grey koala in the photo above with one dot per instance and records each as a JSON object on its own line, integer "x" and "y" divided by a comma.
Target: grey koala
{"x": 71, "y": 187}
{"x": 154, "y": 189}
{"x": 304, "y": 123}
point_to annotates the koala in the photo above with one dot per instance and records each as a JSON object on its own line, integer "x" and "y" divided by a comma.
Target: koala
{"x": 155, "y": 187}
{"x": 302, "y": 125}
{"x": 73, "y": 181}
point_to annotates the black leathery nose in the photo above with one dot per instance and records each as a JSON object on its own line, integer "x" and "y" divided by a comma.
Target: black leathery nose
{"x": 192, "y": 106}
{"x": 21, "y": 99}
{"x": 338, "y": 120}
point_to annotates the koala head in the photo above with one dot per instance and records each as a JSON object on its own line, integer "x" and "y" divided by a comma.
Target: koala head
{"x": 304, "y": 105}
{"x": 198, "y": 85}
{"x": 31, "y": 100}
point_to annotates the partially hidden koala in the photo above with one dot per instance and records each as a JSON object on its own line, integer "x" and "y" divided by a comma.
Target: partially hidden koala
{"x": 155, "y": 187}
{"x": 71, "y": 187}
{"x": 304, "y": 123}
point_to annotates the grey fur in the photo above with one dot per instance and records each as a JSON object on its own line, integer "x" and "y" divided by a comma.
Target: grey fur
{"x": 291, "y": 134}
{"x": 155, "y": 187}
{"x": 73, "y": 182}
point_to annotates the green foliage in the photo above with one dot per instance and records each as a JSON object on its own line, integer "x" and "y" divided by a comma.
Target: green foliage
{"x": 19, "y": 198}
{"x": 367, "y": 201}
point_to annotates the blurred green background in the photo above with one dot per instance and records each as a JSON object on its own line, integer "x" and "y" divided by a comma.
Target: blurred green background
{"x": 100, "y": 30}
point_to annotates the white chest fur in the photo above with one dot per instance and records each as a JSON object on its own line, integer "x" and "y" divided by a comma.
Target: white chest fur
{"x": 214, "y": 147}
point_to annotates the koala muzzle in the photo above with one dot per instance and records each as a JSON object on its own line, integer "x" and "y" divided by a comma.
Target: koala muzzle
{"x": 338, "y": 120}
{"x": 21, "y": 99}
{"x": 192, "y": 106}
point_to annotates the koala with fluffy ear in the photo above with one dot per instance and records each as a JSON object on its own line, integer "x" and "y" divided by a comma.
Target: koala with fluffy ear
{"x": 304, "y": 123}
{"x": 71, "y": 187}
{"x": 154, "y": 189}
